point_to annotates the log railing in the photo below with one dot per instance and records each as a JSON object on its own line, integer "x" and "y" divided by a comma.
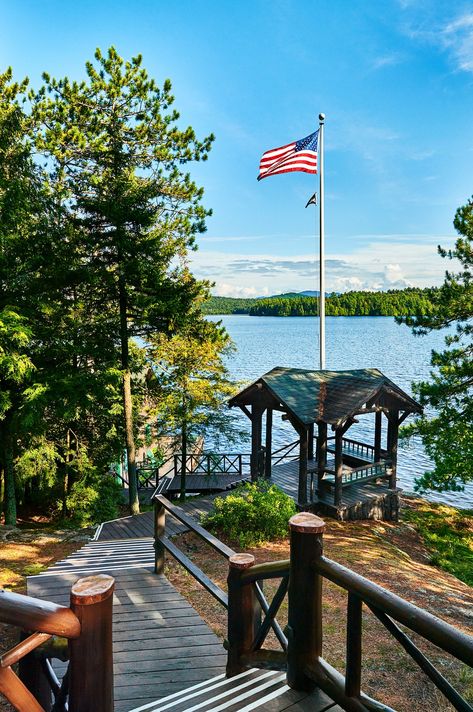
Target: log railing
{"x": 84, "y": 637}
{"x": 306, "y": 668}
{"x": 162, "y": 543}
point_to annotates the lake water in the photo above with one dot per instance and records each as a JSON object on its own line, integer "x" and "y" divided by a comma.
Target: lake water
{"x": 351, "y": 342}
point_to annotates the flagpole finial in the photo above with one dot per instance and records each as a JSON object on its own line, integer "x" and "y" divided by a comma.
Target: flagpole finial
{"x": 321, "y": 117}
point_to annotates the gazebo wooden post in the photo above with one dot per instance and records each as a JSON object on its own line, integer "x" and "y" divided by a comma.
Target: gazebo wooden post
{"x": 303, "y": 455}
{"x": 338, "y": 466}
{"x": 377, "y": 435}
{"x": 256, "y": 425}
{"x": 268, "y": 443}
{"x": 321, "y": 453}
{"x": 393, "y": 433}
{"x": 310, "y": 453}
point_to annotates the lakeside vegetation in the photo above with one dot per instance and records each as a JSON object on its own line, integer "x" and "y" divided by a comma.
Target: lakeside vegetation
{"x": 395, "y": 302}
{"x": 448, "y": 534}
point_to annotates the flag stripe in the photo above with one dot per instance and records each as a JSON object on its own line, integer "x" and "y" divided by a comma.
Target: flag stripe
{"x": 298, "y": 161}
{"x": 276, "y": 151}
{"x": 296, "y": 156}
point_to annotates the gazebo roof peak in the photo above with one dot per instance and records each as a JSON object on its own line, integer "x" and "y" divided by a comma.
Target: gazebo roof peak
{"x": 311, "y": 396}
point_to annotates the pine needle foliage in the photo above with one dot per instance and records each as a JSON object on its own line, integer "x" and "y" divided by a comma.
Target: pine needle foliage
{"x": 448, "y": 434}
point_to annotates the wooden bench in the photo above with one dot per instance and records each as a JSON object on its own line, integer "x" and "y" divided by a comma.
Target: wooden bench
{"x": 365, "y": 473}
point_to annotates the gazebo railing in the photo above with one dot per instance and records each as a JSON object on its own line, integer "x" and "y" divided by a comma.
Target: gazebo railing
{"x": 287, "y": 452}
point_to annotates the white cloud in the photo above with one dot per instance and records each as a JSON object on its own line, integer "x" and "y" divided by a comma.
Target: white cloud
{"x": 377, "y": 263}
{"x": 458, "y": 38}
{"x": 387, "y": 60}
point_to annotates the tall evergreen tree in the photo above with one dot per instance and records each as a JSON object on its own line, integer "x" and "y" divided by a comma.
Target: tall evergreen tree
{"x": 116, "y": 143}
{"x": 20, "y": 212}
{"x": 448, "y": 434}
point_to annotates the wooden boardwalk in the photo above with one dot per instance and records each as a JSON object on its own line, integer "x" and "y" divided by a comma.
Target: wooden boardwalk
{"x": 160, "y": 644}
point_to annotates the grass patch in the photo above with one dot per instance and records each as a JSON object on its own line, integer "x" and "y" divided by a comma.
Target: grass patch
{"x": 448, "y": 533}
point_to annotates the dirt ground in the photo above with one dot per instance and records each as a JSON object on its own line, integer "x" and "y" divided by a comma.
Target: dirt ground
{"x": 392, "y": 555}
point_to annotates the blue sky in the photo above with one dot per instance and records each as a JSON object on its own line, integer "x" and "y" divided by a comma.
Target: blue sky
{"x": 394, "y": 78}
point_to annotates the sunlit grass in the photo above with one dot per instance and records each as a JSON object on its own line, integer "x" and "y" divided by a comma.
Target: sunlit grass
{"x": 448, "y": 533}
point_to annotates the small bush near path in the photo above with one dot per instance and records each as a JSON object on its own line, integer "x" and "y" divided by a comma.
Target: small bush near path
{"x": 448, "y": 534}
{"x": 254, "y": 513}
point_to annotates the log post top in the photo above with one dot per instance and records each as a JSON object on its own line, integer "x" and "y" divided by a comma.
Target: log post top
{"x": 241, "y": 561}
{"x": 92, "y": 589}
{"x": 306, "y": 523}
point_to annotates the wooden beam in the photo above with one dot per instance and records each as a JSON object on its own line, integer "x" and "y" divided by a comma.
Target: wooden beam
{"x": 256, "y": 424}
{"x": 268, "y": 443}
{"x": 338, "y": 468}
{"x": 402, "y": 417}
{"x": 377, "y": 435}
{"x": 321, "y": 453}
{"x": 311, "y": 442}
{"x": 303, "y": 456}
{"x": 245, "y": 411}
{"x": 393, "y": 432}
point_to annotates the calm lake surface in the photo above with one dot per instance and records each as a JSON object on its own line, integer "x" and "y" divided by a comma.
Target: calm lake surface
{"x": 351, "y": 342}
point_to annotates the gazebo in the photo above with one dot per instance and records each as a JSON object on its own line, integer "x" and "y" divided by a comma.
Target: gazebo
{"x": 331, "y": 401}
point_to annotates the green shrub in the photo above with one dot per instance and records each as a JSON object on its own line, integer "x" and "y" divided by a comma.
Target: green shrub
{"x": 93, "y": 500}
{"x": 254, "y": 513}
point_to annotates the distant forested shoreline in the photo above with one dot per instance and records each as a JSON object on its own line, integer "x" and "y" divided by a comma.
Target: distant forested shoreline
{"x": 395, "y": 302}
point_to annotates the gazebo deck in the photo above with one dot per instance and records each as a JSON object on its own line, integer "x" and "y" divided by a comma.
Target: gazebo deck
{"x": 369, "y": 498}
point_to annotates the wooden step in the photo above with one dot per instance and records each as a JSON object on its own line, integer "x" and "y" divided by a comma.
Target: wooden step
{"x": 251, "y": 690}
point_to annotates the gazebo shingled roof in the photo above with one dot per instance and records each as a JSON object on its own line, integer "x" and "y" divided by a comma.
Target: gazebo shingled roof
{"x": 312, "y": 396}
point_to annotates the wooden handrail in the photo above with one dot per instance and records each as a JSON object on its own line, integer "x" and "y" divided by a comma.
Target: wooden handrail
{"x": 87, "y": 625}
{"x": 433, "y": 629}
{"x": 191, "y": 524}
{"x": 267, "y": 570}
{"x": 41, "y": 616}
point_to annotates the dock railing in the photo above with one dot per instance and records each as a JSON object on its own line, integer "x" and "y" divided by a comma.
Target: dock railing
{"x": 302, "y": 576}
{"x": 81, "y": 634}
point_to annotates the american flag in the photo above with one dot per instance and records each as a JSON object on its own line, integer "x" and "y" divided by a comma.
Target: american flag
{"x": 297, "y": 156}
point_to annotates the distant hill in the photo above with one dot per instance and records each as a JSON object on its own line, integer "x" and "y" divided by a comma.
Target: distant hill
{"x": 395, "y": 302}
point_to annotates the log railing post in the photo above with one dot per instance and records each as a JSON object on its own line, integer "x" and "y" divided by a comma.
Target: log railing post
{"x": 304, "y": 629}
{"x": 159, "y": 529}
{"x": 353, "y": 658}
{"x": 242, "y": 605}
{"x": 91, "y": 656}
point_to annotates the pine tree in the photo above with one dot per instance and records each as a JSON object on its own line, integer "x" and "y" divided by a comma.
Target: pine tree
{"x": 115, "y": 141}
{"x": 448, "y": 434}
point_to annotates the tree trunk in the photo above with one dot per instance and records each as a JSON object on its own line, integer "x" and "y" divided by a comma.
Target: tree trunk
{"x": 128, "y": 403}
{"x": 10, "y": 495}
{"x": 65, "y": 482}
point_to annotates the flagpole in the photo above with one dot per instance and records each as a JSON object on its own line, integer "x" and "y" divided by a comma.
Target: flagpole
{"x": 321, "y": 242}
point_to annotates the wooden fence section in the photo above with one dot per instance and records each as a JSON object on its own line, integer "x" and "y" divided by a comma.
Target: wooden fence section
{"x": 306, "y": 668}
{"x": 86, "y": 625}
